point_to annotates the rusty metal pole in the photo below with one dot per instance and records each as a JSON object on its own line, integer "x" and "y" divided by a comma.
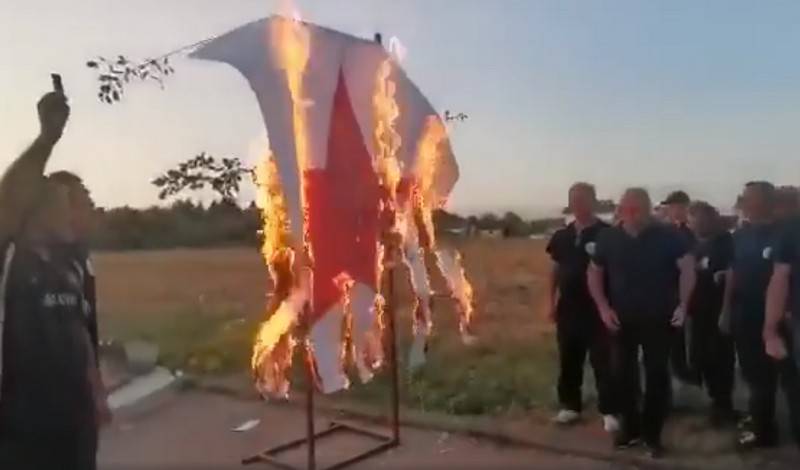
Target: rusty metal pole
{"x": 394, "y": 367}
{"x": 391, "y": 332}
{"x": 311, "y": 381}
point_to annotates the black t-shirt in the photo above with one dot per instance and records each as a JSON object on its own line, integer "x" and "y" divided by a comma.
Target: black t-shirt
{"x": 752, "y": 267}
{"x": 642, "y": 271}
{"x": 571, "y": 250}
{"x": 83, "y": 264}
{"x": 712, "y": 256}
{"x": 787, "y": 251}
{"x": 46, "y": 351}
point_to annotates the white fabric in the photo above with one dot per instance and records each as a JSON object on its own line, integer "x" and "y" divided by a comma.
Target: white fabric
{"x": 366, "y": 333}
{"x": 249, "y": 49}
{"x": 326, "y": 343}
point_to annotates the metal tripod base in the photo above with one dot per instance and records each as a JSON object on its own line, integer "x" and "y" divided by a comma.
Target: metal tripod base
{"x": 271, "y": 455}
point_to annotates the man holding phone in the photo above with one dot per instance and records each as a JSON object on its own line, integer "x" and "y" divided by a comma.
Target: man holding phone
{"x": 48, "y": 372}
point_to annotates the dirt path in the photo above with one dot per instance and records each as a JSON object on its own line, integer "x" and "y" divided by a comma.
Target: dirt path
{"x": 192, "y": 430}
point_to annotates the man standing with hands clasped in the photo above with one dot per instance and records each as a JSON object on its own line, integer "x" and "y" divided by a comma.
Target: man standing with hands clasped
{"x": 650, "y": 274}
{"x": 579, "y": 329}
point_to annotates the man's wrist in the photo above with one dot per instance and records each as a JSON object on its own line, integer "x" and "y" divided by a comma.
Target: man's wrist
{"x": 46, "y": 140}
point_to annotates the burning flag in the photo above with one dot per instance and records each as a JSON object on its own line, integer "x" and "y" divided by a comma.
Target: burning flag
{"x": 317, "y": 92}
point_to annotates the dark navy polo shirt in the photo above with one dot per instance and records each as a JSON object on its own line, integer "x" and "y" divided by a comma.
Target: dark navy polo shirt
{"x": 45, "y": 385}
{"x": 642, "y": 271}
{"x": 754, "y": 246}
{"x": 571, "y": 250}
{"x": 787, "y": 251}
{"x": 712, "y": 256}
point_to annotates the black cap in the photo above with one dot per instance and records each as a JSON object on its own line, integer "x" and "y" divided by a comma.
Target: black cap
{"x": 677, "y": 197}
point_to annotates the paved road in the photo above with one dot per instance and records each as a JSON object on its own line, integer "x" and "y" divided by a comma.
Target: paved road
{"x": 192, "y": 430}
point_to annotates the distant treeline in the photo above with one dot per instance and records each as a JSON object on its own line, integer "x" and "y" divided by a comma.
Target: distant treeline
{"x": 188, "y": 224}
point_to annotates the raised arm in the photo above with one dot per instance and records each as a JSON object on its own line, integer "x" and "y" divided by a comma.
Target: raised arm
{"x": 22, "y": 180}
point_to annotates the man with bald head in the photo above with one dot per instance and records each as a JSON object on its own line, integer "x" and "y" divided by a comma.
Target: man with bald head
{"x": 649, "y": 271}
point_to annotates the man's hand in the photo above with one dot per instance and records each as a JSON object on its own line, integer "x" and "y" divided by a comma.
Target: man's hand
{"x": 610, "y": 319}
{"x": 678, "y": 317}
{"x": 53, "y": 115}
{"x": 775, "y": 345}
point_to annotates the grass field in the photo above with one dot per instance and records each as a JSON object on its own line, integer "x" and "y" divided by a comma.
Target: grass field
{"x": 202, "y": 308}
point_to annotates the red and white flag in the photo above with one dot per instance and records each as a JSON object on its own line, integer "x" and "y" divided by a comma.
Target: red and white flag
{"x": 333, "y": 197}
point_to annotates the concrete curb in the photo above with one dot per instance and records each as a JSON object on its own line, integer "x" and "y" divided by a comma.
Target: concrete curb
{"x": 141, "y": 387}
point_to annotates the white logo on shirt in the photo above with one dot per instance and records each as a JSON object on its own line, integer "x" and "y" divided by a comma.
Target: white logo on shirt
{"x": 704, "y": 263}
{"x": 591, "y": 247}
{"x": 767, "y": 254}
{"x": 59, "y": 299}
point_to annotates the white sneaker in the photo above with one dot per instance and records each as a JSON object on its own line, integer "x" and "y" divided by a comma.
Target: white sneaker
{"x": 565, "y": 417}
{"x": 611, "y": 424}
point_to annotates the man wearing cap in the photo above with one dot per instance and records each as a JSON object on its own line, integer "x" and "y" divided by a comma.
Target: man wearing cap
{"x": 579, "y": 329}
{"x": 745, "y": 314}
{"x": 650, "y": 275}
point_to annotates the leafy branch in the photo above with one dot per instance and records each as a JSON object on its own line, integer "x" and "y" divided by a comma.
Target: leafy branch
{"x": 223, "y": 176}
{"x": 114, "y": 75}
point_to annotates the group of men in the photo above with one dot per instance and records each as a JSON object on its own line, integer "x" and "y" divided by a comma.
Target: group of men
{"x": 680, "y": 296}
{"x": 52, "y": 400}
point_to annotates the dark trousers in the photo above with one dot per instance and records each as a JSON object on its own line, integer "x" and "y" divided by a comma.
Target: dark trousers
{"x": 679, "y": 358}
{"x": 75, "y": 450}
{"x": 579, "y": 336}
{"x": 712, "y": 355}
{"x": 654, "y": 336}
{"x": 763, "y": 374}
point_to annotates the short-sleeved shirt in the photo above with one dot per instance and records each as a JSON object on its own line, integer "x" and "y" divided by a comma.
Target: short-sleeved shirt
{"x": 787, "y": 251}
{"x": 753, "y": 260}
{"x": 46, "y": 351}
{"x": 712, "y": 256}
{"x": 571, "y": 250}
{"x": 83, "y": 264}
{"x": 642, "y": 271}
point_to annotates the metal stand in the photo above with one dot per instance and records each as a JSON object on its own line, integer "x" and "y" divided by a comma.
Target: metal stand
{"x": 384, "y": 442}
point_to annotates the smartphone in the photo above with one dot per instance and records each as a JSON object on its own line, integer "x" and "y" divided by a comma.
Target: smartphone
{"x": 58, "y": 86}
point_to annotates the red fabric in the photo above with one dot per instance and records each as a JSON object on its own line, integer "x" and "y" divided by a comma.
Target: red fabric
{"x": 343, "y": 202}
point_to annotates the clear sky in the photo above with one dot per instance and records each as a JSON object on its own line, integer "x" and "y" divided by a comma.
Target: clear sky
{"x": 698, "y": 94}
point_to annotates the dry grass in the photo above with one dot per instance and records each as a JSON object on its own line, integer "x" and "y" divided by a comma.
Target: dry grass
{"x": 202, "y": 307}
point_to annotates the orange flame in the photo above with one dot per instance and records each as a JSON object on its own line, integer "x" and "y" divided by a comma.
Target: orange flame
{"x": 292, "y": 42}
{"x": 387, "y": 140}
{"x": 274, "y": 345}
{"x": 452, "y": 267}
{"x": 425, "y": 196}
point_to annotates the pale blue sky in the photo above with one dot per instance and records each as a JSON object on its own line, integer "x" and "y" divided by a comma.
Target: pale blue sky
{"x": 675, "y": 93}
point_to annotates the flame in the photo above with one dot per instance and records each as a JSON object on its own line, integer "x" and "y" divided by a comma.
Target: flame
{"x": 292, "y": 42}
{"x": 274, "y": 345}
{"x": 452, "y": 267}
{"x": 387, "y": 140}
{"x": 425, "y": 196}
